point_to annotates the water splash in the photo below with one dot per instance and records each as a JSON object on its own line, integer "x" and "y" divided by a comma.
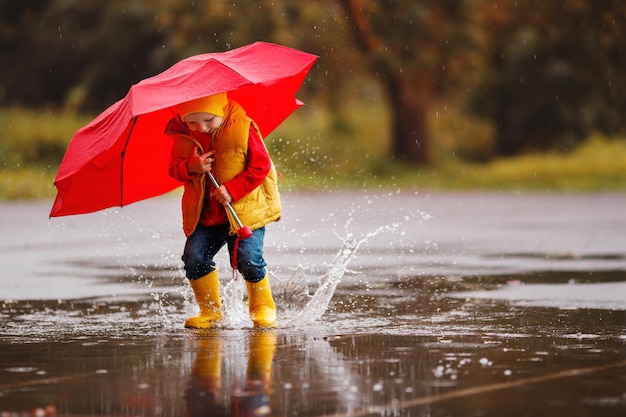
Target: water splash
{"x": 304, "y": 308}
{"x": 297, "y": 306}
{"x": 235, "y": 314}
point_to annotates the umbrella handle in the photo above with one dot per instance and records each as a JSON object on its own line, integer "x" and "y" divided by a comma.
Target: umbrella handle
{"x": 243, "y": 232}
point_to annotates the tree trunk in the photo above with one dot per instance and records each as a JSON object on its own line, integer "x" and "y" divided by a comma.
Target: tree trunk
{"x": 409, "y": 93}
{"x": 409, "y": 98}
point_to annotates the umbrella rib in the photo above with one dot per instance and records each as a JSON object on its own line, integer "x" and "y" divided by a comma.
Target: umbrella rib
{"x": 122, "y": 161}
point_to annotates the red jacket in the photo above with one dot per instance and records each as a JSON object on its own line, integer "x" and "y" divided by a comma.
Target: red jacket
{"x": 242, "y": 164}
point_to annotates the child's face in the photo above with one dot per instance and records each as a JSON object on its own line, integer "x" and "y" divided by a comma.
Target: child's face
{"x": 202, "y": 122}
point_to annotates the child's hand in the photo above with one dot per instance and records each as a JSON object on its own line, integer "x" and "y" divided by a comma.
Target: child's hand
{"x": 222, "y": 195}
{"x": 200, "y": 163}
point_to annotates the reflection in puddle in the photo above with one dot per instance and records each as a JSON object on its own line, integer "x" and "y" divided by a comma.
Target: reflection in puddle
{"x": 209, "y": 392}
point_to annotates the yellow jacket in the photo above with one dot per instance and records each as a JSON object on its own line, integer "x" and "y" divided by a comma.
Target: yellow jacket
{"x": 230, "y": 143}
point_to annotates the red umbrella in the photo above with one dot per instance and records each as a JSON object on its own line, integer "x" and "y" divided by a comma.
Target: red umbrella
{"x": 122, "y": 155}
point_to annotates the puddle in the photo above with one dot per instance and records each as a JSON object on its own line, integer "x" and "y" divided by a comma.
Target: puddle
{"x": 472, "y": 304}
{"x": 370, "y": 368}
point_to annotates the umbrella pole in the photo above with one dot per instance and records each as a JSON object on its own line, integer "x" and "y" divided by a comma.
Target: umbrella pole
{"x": 243, "y": 232}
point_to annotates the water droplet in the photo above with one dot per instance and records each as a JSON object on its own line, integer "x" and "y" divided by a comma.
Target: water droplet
{"x": 485, "y": 362}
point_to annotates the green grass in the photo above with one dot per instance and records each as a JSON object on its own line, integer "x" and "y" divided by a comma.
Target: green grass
{"x": 355, "y": 156}
{"x": 26, "y": 183}
{"x": 598, "y": 165}
{"x": 32, "y": 144}
{"x": 314, "y": 151}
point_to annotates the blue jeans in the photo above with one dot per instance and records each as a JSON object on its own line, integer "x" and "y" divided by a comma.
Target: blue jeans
{"x": 206, "y": 241}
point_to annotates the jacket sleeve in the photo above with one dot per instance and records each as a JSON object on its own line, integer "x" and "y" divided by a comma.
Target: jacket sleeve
{"x": 181, "y": 151}
{"x": 182, "y": 148}
{"x": 258, "y": 165}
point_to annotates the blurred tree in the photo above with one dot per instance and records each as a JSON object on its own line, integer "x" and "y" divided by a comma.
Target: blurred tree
{"x": 220, "y": 25}
{"x": 555, "y": 71}
{"x": 415, "y": 48}
{"x": 548, "y": 74}
{"x": 85, "y": 54}
{"x": 316, "y": 27}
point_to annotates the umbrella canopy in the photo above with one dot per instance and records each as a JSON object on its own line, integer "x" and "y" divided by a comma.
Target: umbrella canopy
{"x": 122, "y": 155}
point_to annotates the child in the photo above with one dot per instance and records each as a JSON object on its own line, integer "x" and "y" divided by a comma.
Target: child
{"x": 214, "y": 134}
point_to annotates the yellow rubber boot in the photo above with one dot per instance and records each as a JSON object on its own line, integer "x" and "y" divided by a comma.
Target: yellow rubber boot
{"x": 261, "y": 304}
{"x": 207, "y": 292}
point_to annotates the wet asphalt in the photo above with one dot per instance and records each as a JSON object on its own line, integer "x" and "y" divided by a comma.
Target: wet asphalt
{"x": 456, "y": 304}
